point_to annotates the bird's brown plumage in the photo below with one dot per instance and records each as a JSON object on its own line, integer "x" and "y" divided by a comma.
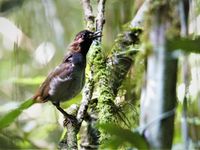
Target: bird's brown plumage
{"x": 62, "y": 70}
{"x": 67, "y": 79}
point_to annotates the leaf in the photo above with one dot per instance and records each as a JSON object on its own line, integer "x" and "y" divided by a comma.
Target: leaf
{"x": 29, "y": 81}
{"x": 185, "y": 44}
{"x": 10, "y": 117}
{"x": 121, "y": 136}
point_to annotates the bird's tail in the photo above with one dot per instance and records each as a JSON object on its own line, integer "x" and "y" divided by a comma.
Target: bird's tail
{"x": 38, "y": 99}
{"x": 10, "y": 116}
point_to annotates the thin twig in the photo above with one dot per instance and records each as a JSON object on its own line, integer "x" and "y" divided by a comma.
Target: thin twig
{"x": 87, "y": 9}
{"x": 89, "y": 17}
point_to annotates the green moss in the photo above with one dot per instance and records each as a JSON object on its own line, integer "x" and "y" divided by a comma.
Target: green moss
{"x": 102, "y": 80}
{"x": 104, "y": 74}
{"x": 129, "y": 37}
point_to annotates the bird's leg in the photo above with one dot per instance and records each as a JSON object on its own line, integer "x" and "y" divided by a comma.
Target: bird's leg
{"x": 65, "y": 114}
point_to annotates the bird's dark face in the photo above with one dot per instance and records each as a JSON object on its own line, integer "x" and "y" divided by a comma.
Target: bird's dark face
{"x": 85, "y": 38}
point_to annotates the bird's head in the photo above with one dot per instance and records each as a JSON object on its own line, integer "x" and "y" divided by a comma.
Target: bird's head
{"x": 83, "y": 41}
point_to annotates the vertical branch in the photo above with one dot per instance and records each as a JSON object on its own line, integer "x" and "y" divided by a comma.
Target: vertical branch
{"x": 100, "y": 20}
{"x": 159, "y": 94}
{"x": 89, "y": 17}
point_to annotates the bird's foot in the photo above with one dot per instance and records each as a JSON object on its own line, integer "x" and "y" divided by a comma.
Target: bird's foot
{"x": 68, "y": 118}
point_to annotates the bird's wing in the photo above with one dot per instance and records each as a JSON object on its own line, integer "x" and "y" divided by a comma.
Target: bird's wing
{"x": 63, "y": 72}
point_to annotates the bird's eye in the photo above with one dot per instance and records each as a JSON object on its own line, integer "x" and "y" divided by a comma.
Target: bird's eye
{"x": 91, "y": 34}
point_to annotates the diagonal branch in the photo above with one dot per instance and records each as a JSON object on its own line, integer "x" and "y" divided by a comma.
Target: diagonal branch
{"x": 89, "y": 85}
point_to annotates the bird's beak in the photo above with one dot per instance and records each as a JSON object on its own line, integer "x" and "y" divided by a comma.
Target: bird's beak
{"x": 96, "y": 34}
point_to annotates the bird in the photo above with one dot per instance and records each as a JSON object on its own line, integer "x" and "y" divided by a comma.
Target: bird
{"x": 63, "y": 83}
{"x": 67, "y": 79}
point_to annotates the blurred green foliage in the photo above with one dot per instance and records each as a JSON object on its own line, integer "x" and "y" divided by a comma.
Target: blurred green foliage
{"x": 9, "y": 118}
{"x": 186, "y": 44}
{"x": 122, "y": 138}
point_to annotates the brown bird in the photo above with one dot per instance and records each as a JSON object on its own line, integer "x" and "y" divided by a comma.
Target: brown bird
{"x": 67, "y": 79}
